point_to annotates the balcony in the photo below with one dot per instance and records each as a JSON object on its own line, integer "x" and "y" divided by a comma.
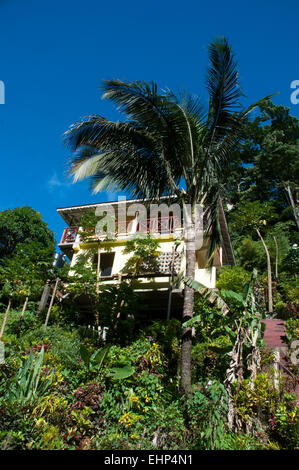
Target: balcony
{"x": 156, "y": 226}
{"x": 69, "y": 235}
{"x": 159, "y": 225}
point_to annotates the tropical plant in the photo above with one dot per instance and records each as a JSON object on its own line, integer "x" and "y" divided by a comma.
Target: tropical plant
{"x": 167, "y": 145}
{"x": 207, "y": 414}
{"x": 96, "y": 359}
{"x": 28, "y": 384}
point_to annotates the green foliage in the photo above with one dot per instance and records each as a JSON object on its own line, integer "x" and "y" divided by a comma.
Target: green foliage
{"x": 285, "y": 424}
{"x": 144, "y": 255}
{"x": 251, "y": 254}
{"x": 207, "y": 417}
{"x": 167, "y": 426}
{"x": 29, "y": 322}
{"x": 28, "y": 384}
{"x": 290, "y": 291}
{"x": 25, "y": 273}
{"x": 64, "y": 344}
{"x": 124, "y": 372}
{"x": 270, "y": 146}
{"x": 291, "y": 261}
{"x": 250, "y": 215}
{"x": 292, "y": 327}
{"x": 233, "y": 278}
{"x": 16, "y": 426}
{"x": 96, "y": 359}
{"x": 22, "y": 226}
{"x": 259, "y": 401}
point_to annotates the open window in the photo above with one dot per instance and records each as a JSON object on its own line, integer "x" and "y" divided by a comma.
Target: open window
{"x": 106, "y": 263}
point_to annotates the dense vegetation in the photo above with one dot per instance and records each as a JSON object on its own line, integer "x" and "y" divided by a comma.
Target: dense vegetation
{"x": 109, "y": 377}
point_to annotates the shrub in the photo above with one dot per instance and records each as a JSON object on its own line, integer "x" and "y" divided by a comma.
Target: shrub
{"x": 29, "y": 322}
{"x": 16, "y": 426}
{"x": 258, "y": 402}
{"x": 292, "y": 327}
{"x": 285, "y": 424}
{"x": 165, "y": 426}
{"x": 65, "y": 344}
{"x": 207, "y": 410}
{"x": 233, "y": 278}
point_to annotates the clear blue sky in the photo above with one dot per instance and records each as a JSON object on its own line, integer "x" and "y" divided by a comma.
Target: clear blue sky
{"x": 54, "y": 54}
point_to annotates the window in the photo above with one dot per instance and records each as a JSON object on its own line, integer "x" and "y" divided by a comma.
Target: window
{"x": 106, "y": 263}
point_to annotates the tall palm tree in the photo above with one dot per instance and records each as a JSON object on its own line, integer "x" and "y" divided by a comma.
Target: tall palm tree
{"x": 168, "y": 145}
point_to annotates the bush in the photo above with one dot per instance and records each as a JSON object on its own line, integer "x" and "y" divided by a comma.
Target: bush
{"x": 257, "y": 403}
{"x": 285, "y": 424}
{"x": 65, "y": 345}
{"x": 233, "y": 278}
{"x": 207, "y": 410}
{"x": 29, "y": 322}
{"x": 292, "y": 327}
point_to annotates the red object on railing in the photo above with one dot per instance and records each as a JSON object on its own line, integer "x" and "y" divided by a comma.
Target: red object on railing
{"x": 69, "y": 234}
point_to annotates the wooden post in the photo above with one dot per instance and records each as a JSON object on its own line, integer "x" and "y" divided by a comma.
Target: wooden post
{"x": 170, "y": 284}
{"x": 22, "y": 316}
{"x": 24, "y": 307}
{"x": 270, "y": 299}
{"x": 51, "y": 303}
{"x": 5, "y": 317}
{"x": 44, "y": 298}
{"x": 98, "y": 268}
{"x": 276, "y": 258}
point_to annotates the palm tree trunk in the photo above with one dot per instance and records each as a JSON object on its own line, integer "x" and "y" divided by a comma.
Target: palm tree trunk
{"x": 185, "y": 383}
{"x": 270, "y": 300}
{"x": 170, "y": 285}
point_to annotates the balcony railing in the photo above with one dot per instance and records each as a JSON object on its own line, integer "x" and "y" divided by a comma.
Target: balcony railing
{"x": 158, "y": 225}
{"x": 69, "y": 235}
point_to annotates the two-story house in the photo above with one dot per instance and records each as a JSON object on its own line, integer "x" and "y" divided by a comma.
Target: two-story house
{"x": 166, "y": 226}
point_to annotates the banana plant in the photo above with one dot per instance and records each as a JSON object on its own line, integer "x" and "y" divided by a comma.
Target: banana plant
{"x": 246, "y": 331}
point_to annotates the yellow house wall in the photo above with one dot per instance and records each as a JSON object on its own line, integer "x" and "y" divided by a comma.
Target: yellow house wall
{"x": 207, "y": 277}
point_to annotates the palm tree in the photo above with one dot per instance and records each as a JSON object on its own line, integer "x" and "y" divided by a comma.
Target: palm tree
{"x": 168, "y": 145}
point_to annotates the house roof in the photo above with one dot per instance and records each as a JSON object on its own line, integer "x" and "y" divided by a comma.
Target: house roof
{"x": 72, "y": 214}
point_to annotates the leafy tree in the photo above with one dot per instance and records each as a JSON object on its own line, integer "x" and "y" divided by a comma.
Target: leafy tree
{"x": 267, "y": 161}
{"x": 167, "y": 145}
{"x": 24, "y": 274}
{"x": 253, "y": 217}
{"x": 22, "y": 225}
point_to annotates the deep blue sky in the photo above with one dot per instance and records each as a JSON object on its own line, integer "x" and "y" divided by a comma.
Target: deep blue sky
{"x": 54, "y": 54}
